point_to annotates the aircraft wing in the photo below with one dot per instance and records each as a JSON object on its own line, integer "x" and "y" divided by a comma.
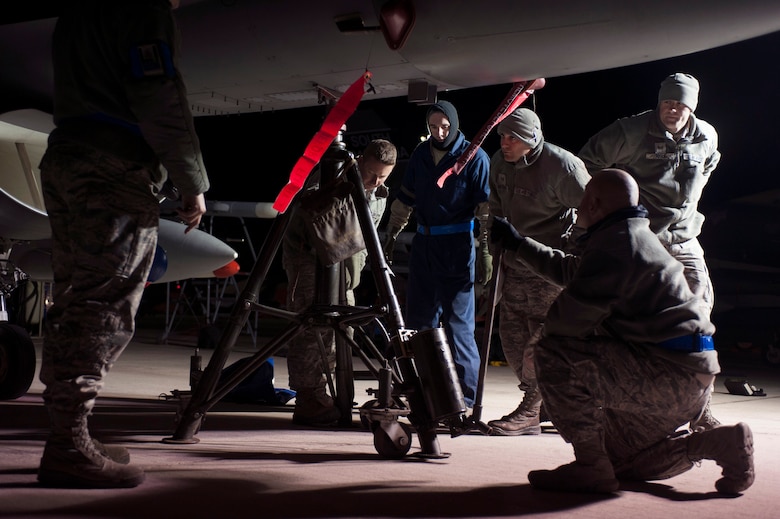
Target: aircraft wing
{"x": 249, "y": 56}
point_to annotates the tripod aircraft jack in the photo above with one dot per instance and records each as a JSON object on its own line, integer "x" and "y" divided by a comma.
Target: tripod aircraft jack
{"x": 416, "y": 373}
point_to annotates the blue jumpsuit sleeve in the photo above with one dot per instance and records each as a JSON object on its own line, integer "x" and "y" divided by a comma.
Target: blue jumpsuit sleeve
{"x": 481, "y": 168}
{"x": 407, "y": 193}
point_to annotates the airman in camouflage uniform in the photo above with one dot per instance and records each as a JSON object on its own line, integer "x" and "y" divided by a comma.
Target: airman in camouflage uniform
{"x": 537, "y": 187}
{"x": 672, "y": 154}
{"x": 313, "y": 406}
{"x": 627, "y": 357}
{"x": 120, "y": 113}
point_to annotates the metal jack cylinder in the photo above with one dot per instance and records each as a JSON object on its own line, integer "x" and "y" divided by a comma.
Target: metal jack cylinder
{"x": 385, "y": 395}
{"x": 438, "y": 378}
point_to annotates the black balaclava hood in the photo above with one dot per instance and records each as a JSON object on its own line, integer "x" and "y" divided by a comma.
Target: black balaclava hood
{"x": 449, "y": 111}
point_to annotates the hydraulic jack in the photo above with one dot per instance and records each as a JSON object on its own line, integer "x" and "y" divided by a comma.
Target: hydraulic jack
{"x": 417, "y": 379}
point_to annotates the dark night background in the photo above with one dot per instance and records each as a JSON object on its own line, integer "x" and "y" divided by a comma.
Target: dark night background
{"x": 249, "y": 156}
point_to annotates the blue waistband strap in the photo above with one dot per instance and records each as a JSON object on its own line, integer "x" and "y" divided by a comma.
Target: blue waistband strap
{"x": 690, "y": 343}
{"x": 105, "y": 118}
{"x": 437, "y": 230}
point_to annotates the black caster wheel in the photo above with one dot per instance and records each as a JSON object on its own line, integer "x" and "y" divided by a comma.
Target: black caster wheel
{"x": 394, "y": 444}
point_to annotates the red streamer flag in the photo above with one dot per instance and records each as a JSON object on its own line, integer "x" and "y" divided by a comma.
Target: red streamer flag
{"x": 515, "y": 97}
{"x": 335, "y": 119}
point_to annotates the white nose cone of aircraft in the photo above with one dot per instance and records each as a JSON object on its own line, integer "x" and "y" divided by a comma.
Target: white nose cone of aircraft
{"x": 196, "y": 254}
{"x": 24, "y": 223}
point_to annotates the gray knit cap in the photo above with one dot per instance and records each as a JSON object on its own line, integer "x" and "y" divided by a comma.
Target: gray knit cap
{"x": 680, "y": 87}
{"x": 524, "y": 124}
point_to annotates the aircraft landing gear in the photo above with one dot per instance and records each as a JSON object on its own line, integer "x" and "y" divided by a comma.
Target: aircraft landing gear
{"x": 17, "y": 353}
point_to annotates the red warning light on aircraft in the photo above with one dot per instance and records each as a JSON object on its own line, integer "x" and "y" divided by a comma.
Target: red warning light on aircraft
{"x": 397, "y": 20}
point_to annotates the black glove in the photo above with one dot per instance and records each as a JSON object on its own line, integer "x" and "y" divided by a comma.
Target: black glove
{"x": 502, "y": 232}
{"x": 389, "y": 246}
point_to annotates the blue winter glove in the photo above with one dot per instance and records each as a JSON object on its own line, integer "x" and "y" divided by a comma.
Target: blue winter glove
{"x": 504, "y": 233}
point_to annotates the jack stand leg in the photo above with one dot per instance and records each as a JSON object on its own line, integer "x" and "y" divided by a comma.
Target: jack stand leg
{"x": 429, "y": 445}
{"x": 419, "y": 417}
{"x": 189, "y": 421}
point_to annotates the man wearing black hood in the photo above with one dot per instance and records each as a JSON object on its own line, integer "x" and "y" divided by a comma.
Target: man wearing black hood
{"x": 442, "y": 261}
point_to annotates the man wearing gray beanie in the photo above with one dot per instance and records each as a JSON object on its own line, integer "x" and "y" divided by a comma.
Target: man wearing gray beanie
{"x": 537, "y": 186}
{"x": 683, "y": 88}
{"x": 671, "y": 153}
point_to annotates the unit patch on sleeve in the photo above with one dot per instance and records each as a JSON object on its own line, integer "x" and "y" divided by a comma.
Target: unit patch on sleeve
{"x": 152, "y": 59}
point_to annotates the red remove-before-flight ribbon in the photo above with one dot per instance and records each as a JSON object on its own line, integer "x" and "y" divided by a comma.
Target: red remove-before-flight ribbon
{"x": 335, "y": 119}
{"x": 515, "y": 97}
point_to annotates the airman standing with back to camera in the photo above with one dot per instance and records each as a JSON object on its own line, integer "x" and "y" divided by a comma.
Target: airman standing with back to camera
{"x": 120, "y": 111}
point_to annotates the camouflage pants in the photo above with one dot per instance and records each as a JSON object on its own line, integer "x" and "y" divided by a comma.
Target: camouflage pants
{"x": 691, "y": 255}
{"x": 304, "y": 354}
{"x": 104, "y": 221}
{"x": 525, "y": 299}
{"x": 605, "y": 396}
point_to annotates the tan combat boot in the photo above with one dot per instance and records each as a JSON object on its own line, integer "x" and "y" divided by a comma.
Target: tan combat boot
{"x": 115, "y": 453}
{"x": 523, "y": 420}
{"x": 731, "y": 447}
{"x": 705, "y": 421}
{"x": 72, "y": 460}
{"x": 315, "y": 408}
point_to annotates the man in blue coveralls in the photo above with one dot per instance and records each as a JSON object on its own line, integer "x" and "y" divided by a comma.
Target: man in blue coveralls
{"x": 443, "y": 256}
